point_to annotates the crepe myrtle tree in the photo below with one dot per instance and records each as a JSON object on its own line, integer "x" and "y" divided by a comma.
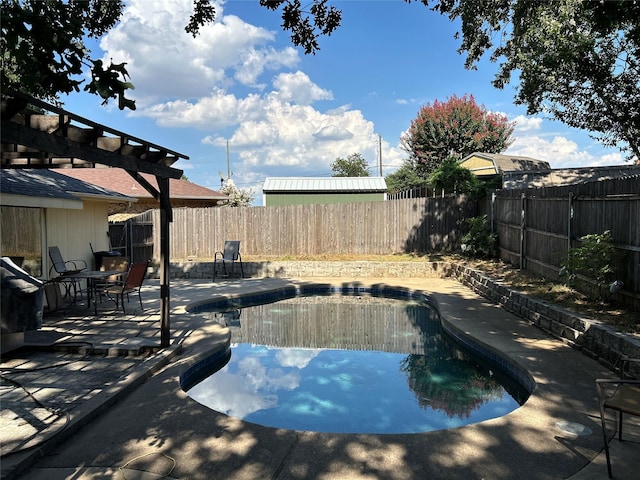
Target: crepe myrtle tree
{"x": 457, "y": 126}
{"x": 44, "y": 52}
{"x": 575, "y": 60}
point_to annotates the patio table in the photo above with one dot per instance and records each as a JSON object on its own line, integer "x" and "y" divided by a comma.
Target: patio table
{"x": 92, "y": 277}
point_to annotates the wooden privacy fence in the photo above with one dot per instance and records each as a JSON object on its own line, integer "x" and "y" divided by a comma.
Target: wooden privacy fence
{"x": 134, "y": 237}
{"x": 411, "y": 225}
{"x": 537, "y": 227}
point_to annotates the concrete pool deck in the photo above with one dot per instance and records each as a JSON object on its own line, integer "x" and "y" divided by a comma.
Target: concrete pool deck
{"x": 136, "y": 422}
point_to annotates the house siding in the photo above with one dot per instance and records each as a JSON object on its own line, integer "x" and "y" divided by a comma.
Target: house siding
{"x": 73, "y": 230}
{"x": 479, "y": 166}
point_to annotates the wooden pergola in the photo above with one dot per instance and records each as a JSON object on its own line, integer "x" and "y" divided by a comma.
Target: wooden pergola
{"x": 36, "y": 134}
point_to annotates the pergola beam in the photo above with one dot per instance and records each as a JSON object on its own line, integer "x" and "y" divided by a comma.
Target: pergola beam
{"x": 53, "y": 146}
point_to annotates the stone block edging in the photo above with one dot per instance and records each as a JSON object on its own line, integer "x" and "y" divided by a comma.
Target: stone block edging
{"x": 593, "y": 338}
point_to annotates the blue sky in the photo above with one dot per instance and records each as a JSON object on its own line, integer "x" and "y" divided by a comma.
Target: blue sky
{"x": 289, "y": 114}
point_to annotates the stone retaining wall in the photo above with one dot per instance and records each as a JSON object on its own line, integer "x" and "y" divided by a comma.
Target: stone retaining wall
{"x": 600, "y": 341}
{"x": 593, "y": 338}
{"x": 284, "y": 269}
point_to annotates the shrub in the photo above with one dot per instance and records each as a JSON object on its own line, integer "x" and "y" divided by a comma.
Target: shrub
{"x": 595, "y": 259}
{"x": 479, "y": 242}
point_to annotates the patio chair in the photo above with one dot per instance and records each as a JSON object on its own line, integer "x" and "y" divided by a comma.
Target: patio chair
{"x": 131, "y": 284}
{"x": 230, "y": 254}
{"x": 109, "y": 264}
{"x": 65, "y": 270}
{"x": 620, "y": 395}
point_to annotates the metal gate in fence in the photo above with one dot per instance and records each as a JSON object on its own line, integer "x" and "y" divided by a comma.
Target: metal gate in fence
{"x": 132, "y": 236}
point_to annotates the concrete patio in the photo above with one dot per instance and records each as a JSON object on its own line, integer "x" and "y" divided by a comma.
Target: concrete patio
{"x": 100, "y": 405}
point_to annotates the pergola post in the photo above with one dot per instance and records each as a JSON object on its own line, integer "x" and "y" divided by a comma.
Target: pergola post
{"x": 165, "y": 218}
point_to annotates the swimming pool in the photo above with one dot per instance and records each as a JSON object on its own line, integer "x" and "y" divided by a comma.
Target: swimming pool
{"x": 358, "y": 362}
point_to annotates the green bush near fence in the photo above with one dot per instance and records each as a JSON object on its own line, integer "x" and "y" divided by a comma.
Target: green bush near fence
{"x": 595, "y": 258}
{"x": 479, "y": 242}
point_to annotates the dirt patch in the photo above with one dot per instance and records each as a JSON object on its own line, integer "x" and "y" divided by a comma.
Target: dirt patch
{"x": 559, "y": 294}
{"x": 526, "y": 282}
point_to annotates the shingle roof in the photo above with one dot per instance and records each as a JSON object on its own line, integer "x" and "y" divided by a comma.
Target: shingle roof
{"x": 324, "y": 184}
{"x": 120, "y": 181}
{"x": 511, "y": 163}
{"x": 50, "y": 184}
{"x": 567, "y": 176}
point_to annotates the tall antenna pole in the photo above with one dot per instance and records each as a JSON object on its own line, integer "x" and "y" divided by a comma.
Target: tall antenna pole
{"x": 228, "y": 164}
{"x": 380, "y": 153}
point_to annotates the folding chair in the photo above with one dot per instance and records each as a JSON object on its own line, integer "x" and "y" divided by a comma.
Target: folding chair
{"x": 230, "y": 254}
{"x": 624, "y": 398}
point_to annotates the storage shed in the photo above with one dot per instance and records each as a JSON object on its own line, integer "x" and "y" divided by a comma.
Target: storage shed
{"x": 313, "y": 190}
{"x": 491, "y": 164}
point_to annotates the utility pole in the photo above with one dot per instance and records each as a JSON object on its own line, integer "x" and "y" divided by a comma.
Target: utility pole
{"x": 380, "y": 153}
{"x": 224, "y": 179}
{"x": 228, "y": 164}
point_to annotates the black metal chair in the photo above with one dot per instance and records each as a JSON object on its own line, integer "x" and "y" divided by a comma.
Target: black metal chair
{"x": 65, "y": 270}
{"x": 620, "y": 395}
{"x": 230, "y": 254}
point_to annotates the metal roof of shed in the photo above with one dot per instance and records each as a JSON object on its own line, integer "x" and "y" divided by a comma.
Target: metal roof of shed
{"x": 324, "y": 184}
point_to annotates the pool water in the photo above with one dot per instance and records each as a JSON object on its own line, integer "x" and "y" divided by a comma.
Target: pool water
{"x": 351, "y": 364}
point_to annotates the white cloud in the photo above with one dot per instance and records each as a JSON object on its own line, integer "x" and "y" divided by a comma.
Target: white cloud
{"x": 560, "y": 152}
{"x": 219, "y": 81}
{"x": 527, "y": 124}
{"x": 219, "y": 109}
{"x": 298, "y": 88}
{"x": 251, "y": 388}
{"x": 296, "y": 357}
{"x": 332, "y": 132}
{"x": 410, "y": 101}
{"x": 167, "y": 62}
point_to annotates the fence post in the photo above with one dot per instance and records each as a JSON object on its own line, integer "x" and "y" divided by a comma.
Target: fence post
{"x": 493, "y": 206}
{"x": 523, "y": 201}
{"x": 569, "y": 223}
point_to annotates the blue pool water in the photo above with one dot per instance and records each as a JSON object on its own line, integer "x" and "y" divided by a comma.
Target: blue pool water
{"x": 351, "y": 364}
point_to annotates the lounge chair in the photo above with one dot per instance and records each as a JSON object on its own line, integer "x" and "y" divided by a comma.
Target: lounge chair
{"x": 65, "y": 270}
{"x": 230, "y": 254}
{"x": 620, "y": 395}
{"x": 131, "y": 284}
